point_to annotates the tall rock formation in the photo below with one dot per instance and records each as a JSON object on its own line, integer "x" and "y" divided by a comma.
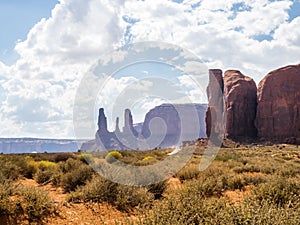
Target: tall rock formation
{"x": 278, "y": 110}
{"x": 103, "y": 136}
{"x": 102, "y": 122}
{"x": 240, "y": 100}
{"x": 128, "y": 137}
{"x": 117, "y": 129}
{"x": 215, "y": 111}
{"x": 128, "y": 124}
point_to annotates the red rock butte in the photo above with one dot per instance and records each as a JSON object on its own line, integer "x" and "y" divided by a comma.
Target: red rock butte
{"x": 270, "y": 112}
{"x": 278, "y": 108}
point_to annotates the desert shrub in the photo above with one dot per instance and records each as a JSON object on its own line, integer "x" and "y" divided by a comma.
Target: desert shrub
{"x": 129, "y": 197}
{"x": 9, "y": 170}
{"x": 205, "y": 187}
{"x": 147, "y": 158}
{"x": 35, "y": 203}
{"x": 23, "y": 203}
{"x": 56, "y": 178}
{"x": 44, "y": 165}
{"x": 86, "y": 158}
{"x": 226, "y": 156}
{"x": 100, "y": 189}
{"x": 184, "y": 207}
{"x": 280, "y": 191}
{"x": 247, "y": 168}
{"x": 188, "y": 207}
{"x": 64, "y": 156}
{"x": 251, "y": 211}
{"x": 268, "y": 168}
{"x": 45, "y": 171}
{"x": 69, "y": 165}
{"x": 76, "y": 177}
{"x": 157, "y": 189}
{"x": 233, "y": 183}
{"x": 43, "y": 176}
{"x": 5, "y": 192}
{"x": 97, "y": 189}
{"x": 288, "y": 172}
{"x": 30, "y": 167}
{"x": 254, "y": 180}
{"x": 188, "y": 173}
{"x": 113, "y": 156}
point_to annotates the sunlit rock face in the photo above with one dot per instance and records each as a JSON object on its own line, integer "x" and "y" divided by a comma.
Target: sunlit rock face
{"x": 278, "y": 109}
{"x": 240, "y": 105}
{"x": 231, "y": 106}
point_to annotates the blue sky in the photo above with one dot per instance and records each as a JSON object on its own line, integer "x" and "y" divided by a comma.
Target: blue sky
{"x": 17, "y": 17}
{"x": 43, "y": 61}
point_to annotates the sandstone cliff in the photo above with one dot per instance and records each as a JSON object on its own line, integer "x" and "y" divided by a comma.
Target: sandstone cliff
{"x": 278, "y": 110}
{"x": 240, "y": 100}
{"x": 215, "y": 111}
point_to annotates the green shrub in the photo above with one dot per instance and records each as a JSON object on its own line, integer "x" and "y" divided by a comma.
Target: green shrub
{"x": 5, "y": 192}
{"x": 77, "y": 177}
{"x": 149, "y": 157}
{"x": 64, "y": 156}
{"x": 280, "y": 191}
{"x": 35, "y": 204}
{"x": 113, "y": 156}
{"x": 188, "y": 173}
{"x": 45, "y": 171}
{"x": 86, "y": 158}
{"x": 69, "y": 165}
{"x": 100, "y": 189}
{"x": 22, "y": 203}
{"x": 43, "y": 176}
{"x": 97, "y": 189}
{"x": 247, "y": 168}
{"x": 44, "y": 165}
{"x": 157, "y": 189}
{"x": 30, "y": 167}
{"x": 9, "y": 170}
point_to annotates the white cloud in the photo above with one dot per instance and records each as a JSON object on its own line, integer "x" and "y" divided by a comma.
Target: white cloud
{"x": 41, "y": 86}
{"x": 37, "y": 92}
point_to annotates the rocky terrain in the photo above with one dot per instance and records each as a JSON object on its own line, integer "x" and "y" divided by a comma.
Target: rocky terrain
{"x": 269, "y": 113}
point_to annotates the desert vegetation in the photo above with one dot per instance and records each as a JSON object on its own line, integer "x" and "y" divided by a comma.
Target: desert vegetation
{"x": 245, "y": 184}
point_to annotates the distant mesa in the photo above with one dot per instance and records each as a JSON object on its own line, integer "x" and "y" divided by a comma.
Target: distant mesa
{"x": 29, "y": 145}
{"x": 164, "y": 126}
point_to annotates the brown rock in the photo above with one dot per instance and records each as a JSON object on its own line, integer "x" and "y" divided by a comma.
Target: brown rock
{"x": 215, "y": 111}
{"x": 278, "y": 110}
{"x": 240, "y": 100}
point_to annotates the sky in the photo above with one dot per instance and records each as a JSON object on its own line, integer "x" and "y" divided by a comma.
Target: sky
{"x": 50, "y": 50}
